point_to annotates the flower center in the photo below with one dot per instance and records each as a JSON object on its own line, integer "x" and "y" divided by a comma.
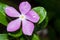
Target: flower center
{"x": 22, "y": 17}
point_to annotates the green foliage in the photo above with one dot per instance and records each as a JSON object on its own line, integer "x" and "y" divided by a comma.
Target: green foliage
{"x": 16, "y": 34}
{"x": 35, "y": 37}
{"x": 2, "y": 14}
{"x": 22, "y": 38}
{"x": 43, "y": 25}
{"x": 3, "y": 37}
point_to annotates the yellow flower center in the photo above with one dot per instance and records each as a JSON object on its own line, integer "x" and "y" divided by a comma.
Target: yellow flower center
{"x": 22, "y": 17}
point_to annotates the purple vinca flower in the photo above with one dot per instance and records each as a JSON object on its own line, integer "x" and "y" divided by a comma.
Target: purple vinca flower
{"x": 27, "y": 17}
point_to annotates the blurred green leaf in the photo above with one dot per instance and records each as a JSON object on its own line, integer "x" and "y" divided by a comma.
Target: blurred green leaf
{"x": 3, "y": 37}
{"x": 2, "y": 14}
{"x": 43, "y": 25}
{"x": 41, "y": 12}
{"x": 22, "y": 38}
{"x": 16, "y": 34}
{"x": 35, "y": 37}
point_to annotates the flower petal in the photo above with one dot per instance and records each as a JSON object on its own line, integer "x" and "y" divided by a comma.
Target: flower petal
{"x": 12, "y": 12}
{"x": 27, "y": 27}
{"x": 32, "y": 16}
{"x": 14, "y": 25}
{"x": 24, "y": 7}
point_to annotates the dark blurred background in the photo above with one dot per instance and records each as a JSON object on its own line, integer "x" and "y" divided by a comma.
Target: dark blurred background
{"x": 53, "y": 12}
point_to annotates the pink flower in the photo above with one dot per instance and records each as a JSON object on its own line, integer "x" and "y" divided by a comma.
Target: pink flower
{"x": 27, "y": 17}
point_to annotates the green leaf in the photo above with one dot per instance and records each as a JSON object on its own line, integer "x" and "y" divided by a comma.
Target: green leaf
{"x": 2, "y": 14}
{"x": 43, "y": 25}
{"x": 41, "y": 12}
{"x": 22, "y": 38}
{"x": 35, "y": 37}
{"x": 16, "y": 34}
{"x": 3, "y": 37}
